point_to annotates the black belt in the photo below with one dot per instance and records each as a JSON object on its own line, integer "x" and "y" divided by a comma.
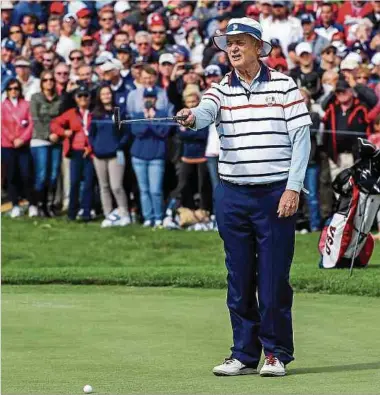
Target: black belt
{"x": 256, "y": 186}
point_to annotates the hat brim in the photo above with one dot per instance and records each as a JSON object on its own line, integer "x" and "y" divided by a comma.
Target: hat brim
{"x": 221, "y": 42}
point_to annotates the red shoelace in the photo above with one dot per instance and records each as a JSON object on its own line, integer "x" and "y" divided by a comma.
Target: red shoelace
{"x": 270, "y": 360}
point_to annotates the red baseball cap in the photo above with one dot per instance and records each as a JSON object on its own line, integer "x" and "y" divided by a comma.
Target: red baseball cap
{"x": 155, "y": 20}
{"x": 83, "y": 13}
{"x": 57, "y": 7}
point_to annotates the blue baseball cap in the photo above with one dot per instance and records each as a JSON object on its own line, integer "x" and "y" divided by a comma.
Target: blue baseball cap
{"x": 8, "y": 44}
{"x": 150, "y": 92}
{"x": 223, "y": 4}
{"x": 307, "y": 18}
{"x": 275, "y": 42}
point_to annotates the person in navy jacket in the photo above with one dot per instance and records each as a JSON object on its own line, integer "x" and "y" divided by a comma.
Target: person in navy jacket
{"x": 148, "y": 158}
{"x": 107, "y": 144}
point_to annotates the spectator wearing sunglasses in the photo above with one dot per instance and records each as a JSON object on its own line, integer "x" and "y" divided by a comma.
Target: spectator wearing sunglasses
{"x": 145, "y": 52}
{"x": 61, "y": 76}
{"x": 17, "y": 128}
{"x": 16, "y": 35}
{"x": 74, "y": 125}
{"x": 46, "y": 149}
{"x": 107, "y": 30}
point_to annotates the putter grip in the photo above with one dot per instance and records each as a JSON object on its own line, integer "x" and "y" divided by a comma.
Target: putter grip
{"x": 116, "y": 113}
{"x": 180, "y": 117}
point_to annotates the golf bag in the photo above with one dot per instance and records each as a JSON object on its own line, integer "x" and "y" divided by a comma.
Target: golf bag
{"x": 346, "y": 239}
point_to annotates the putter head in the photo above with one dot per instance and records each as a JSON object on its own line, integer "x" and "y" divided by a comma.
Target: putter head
{"x": 116, "y": 117}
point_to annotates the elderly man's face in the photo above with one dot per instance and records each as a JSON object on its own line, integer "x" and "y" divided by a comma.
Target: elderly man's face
{"x": 242, "y": 50}
{"x": 344, "y": 97}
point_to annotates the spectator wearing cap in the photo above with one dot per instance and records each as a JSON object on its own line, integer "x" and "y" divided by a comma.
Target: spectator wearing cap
{"x": 223, "y": 6}
{"x": 344, "y": 115}
{"x": 108, "y": 28}
{"x": 111, "y": 74}
{"x": 89, "y": 47}
{"x": 68, "y": 40}
{"x": 328, "y": 59}
{"x": 193, "y": 158}
{"x": 30, "y": 84}
{"x": 316, "y": 41}
{"x": 125, "y": 56}
{"x": 306, "y": 74}
{"x": 84, "y": 27}
{"x": 149, "y": 78}
{"x": 212, "y": 74}
{"x": 148, "y": 153}
{"x": 46, "y": 151}
{"x": 107, "y": 143}
{"x": 159, "y": 35}
{"x": 16, "y": 133}
{"x": 145, "y": 52}
{"x": 37, "y": 66}
{"x": 8, "y": 53}
{"x": 122, "y": 9}
{"x": 327, "y": 27}
{"x": 28, "y": 8}
{"x": 166, "y": 64}
{"x": 6, "y": 15}
{"x": 283, "y": 26}
{"x": 73, "y": 126}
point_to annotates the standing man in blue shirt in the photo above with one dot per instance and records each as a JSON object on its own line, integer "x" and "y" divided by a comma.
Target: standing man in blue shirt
{"x": 263, "y": 125}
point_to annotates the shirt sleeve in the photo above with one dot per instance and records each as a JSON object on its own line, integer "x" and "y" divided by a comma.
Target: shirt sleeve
{"x": 301, "y": 145}
{"x": 295, "y": 110}
{"x": 208, "y": 109}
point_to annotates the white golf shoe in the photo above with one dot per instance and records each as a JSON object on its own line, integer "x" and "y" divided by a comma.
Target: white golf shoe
{"x": 272, "y": 367}
{"x": 232, "y": 367}
{"x": 33, "y": 211}
{"x": 16, "y": 212}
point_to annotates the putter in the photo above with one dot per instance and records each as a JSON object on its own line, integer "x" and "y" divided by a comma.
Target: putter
{"x": 120, "y": 122}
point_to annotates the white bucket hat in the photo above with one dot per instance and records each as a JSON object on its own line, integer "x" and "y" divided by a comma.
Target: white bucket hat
{"x": 243, "y": 26}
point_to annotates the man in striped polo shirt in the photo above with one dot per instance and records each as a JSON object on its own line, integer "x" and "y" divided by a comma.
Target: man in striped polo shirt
{"x": 263, "y": 125}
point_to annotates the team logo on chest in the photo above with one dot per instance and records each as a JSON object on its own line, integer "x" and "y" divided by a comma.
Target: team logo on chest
{"x": 270, "y": 101}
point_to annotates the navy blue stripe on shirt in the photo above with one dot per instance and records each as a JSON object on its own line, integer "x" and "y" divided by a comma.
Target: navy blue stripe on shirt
{"x": 209, "y": 98}
{"x": 255, "y": 93}
{"x": 298, "y": 116}
{"x": 256, "y": 147}
{"x": 251, "y": 134}
{"x": 239, "y": 162}
{"x": 253, "y": 175}
{"x": 254, "y": 119}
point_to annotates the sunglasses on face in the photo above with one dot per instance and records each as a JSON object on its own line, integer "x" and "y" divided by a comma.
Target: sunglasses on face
{"x": 14, "y": 31}
{"x": 107, "y": 19}
{"x": 166, "y": 64}
{"x": 143, "y": 44}
{"x": 76, "y": 58}
{"x": 83, "y": 96}
{"x": 87, "y": 44}
{"x": 62, "y": 73}
{"x": 47, "y": 60}
{"x": 48, "y": 79}
{"x": 161, "y": 32}
{"x": 14, "y": 88}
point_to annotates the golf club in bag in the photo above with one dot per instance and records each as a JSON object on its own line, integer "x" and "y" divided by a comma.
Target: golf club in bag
{"x": 346, "y": 241}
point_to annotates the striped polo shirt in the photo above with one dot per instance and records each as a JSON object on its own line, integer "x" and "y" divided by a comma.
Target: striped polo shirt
{"x": 257, "y": 127}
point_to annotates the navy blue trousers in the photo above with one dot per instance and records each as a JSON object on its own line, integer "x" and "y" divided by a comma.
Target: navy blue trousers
{"x": 259, "y": 249}
{"x": 81, "y": 169}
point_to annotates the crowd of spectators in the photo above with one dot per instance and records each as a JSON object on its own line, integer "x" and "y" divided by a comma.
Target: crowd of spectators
{"x": 66, "y": 64}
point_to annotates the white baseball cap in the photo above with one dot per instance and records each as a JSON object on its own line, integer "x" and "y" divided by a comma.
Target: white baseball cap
{"x": 243, "y": 26}
{"x": 302, "y": 48}
{"x": 113, "y": 64}
{"x": 166, "y": 57}
{"x": 376, "y": 59}
{"x": 122, "y": 6}
{"x": 349, "y": 64}
{"x": 354, "y": 56}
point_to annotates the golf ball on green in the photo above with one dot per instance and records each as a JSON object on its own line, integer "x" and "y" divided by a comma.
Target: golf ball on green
{"x": 87, "y": 389}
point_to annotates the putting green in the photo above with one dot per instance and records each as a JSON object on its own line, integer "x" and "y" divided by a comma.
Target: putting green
{"x": 56, "y": 339}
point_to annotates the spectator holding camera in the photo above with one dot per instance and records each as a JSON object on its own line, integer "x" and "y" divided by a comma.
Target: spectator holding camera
{"x": 16, "y": 133}
{"x": 148, "y": 157}
{"x": 107, "y": 144}
{"x": 46, "y": 148}
{"x": 74, "y": 125}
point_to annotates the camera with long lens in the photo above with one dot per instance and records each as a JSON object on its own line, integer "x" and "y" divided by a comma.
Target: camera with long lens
{"x": 148, "y": 104}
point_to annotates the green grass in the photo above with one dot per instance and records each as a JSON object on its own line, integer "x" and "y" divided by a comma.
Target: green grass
{"x": 121, "y": 340}
{"x": 41, "y": 252}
